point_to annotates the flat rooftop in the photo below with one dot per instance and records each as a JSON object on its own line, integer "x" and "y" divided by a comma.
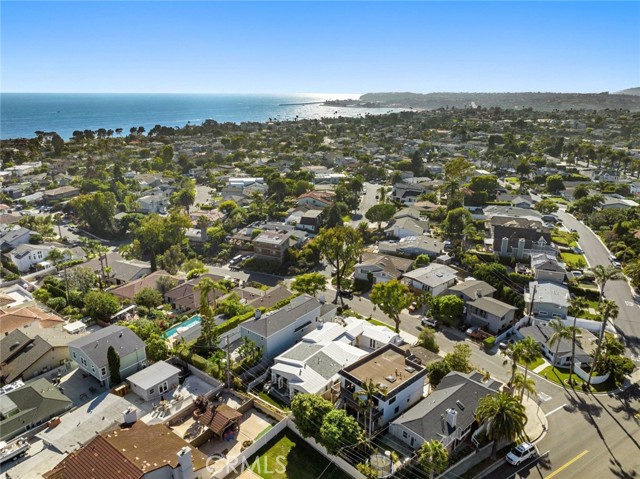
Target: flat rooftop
{"x": 388, "y": 366}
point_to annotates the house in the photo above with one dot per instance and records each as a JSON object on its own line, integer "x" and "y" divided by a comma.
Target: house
{"x": 32, "y": 316}
{"x": 517, "y": 201}
{"x": 471, "y": 289}
{"x": 134, "y": 451}
{"x": 13, "y": 237}
{"x": 120, "y": 271}
{"x": 546, "y": 267}
{"x": 407, "y": 226}
{"x": 520, "y": 237}
{"x": 129, "y": 290}
{"x": 407, "y": 194}
{"x": 618, "y": 202}
{"x": 90, "y": 352}
{"x": 316, "y": 199}
{"x": 412, "y": 246}
{"x": 311, "y": 221}
{"x": 634, "y": 188}
{"x": 26, "y": 256}
{"x": 447, "y": 414}
{"x": 60, "y": 193}
{"x": 434, "y": 278}
{"x": 186, "y": 296}
{"x": 277, "y": 331}
{"x": 550, "y": 300}
{"x": 376, "y": 268}
{"x": 196, "y": 237}
{"x": 153, "y": 381}
{"x": 13, "y": 296}
{"x": 272, "y": 245}
{"x": 491, "y": 314}
{"x": 542, "y": 332}
{"x": 156, "y": 203}
{"x": 399, "y": 380}
{"x": 29, "y": 406}
{"x": 267, "y": 299}
{"x": 22, "y": 357}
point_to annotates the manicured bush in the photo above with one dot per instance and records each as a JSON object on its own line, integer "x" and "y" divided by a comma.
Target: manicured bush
{"x": 489, "y": 342}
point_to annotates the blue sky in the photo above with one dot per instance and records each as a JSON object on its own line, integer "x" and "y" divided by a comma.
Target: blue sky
{"x": 333, "y": 47}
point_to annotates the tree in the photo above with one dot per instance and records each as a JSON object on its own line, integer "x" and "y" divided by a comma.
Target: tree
{"x": 522, "y": 383}
{"x": 366, "y": 398}
{"x": 632, "y": 270}
{"x": 309, "y": 411}
{"x": 530, "y": 354}
{"x": 427, "y": 339}
{"x": 156, "y": 347}
{"x": 165, "y": 283}
{"x": 227, "y": 206}
{"x": 380, "y": 212}
{"x": 96, "y": 210}
{"x": 455, "y": 222}
{"x": 546, "y": 207}
{"x": 448, "y": 308}
{"x": 581, "y": 191}
{"x": 460, "y": 358}
{"x": 421, "y": 261}
{"x": 554, "y": 183}
{"x": 619, "y": 367}
{"x": 338, "y": 429}
{"x": 437, "y": 370}
{"x": 206, "y": 286}
{"x": 100, "y": 305}
{"x": 113, "y": 360}
{"x": 503, "y": 416}
{"x": 249, "y": 351}
{"x": 310, "y": 283}
{"x": 608, "y": 310}
{"x": 333, "y": 216}
{"x": 172, "y": 259}
{"x": 514, "y": 354}
{"x": 184, "y": 197}
{"x": 391, "y": 297}
{"x": 560, "y": 333}
{"x": 433, "y": 457}
{"x": 148, "y": 297}
{"x": 156, "y": 234}
{"x": 341, "y": 247}
{"x": 57, "y": 143}
{"x": 81, "y": 278}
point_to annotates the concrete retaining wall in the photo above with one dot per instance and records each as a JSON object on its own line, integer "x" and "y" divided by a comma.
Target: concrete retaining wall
{"x": 584, "y": 375}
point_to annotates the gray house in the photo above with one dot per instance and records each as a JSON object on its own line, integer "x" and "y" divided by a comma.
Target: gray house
{"x": 546, "y": 267}
{"x": 447, "y": 415}
{"x": 472, "y": 289}
{"x": 542, "y": 332}
{"x": 154, "y": 381}
{"x": 550, "y": 300}
{"x": 90, "y": 352}
{"x": 491, "y": 314}
{"x": 278, "y": 331}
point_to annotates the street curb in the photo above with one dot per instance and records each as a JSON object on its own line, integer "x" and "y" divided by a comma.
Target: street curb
{"x": 490, "y": 469}
{"x": 613, "y": 391}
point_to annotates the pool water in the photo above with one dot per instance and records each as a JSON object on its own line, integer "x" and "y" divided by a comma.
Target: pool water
{"x": 192, "y": 321}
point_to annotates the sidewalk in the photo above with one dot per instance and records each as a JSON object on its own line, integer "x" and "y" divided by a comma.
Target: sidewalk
{"x": 537, "y": 425}
{"x": 542, "y": 367}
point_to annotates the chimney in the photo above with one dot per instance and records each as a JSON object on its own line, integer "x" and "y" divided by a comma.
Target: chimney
{"x": 130, "y": 415}
{"x": 185, "y": 464}
{"x": 478, "y": 293}
{"x": 258, "y": 314}
{"x": 452, "y": 416}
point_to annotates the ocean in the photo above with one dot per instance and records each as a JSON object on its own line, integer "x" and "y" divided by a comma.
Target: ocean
{"x": 22, "y": 114}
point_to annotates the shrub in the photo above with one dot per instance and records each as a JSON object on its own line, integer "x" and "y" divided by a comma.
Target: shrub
{"x": 489, "y": 342}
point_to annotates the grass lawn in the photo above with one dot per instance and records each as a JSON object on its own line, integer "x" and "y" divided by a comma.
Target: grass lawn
{"x": 559, "y": 376}
{"x": 574, "y": 259}
{"x": 563, "y": 238}
{"x": 288, "y": 457}
{"x": 534, "y": 364}
{"x": 265, "y": 397}
{"x": 380, "y": 323}
{"x": 559, "y": 200}
{"x": 512, "y": 180}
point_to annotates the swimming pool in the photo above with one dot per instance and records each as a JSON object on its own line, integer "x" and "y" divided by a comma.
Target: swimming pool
{"x": 189, "y": 323}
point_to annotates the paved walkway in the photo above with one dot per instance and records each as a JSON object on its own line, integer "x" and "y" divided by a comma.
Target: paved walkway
{"x": 537, "y": 424}
{"x": 542, "y": 367}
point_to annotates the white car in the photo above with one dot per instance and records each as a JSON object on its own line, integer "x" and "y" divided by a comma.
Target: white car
{"x": 521, "y": 453}
{"x": 617, "y": 264}
{"x": 430, "y": 322}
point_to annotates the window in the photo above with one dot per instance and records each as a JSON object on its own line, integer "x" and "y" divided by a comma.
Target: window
{"x": 74, "y": 355}
{"x": 395, "y": 411}
{"x": 404, "y": 434}
{"x": 103, "y": 371}
{"x": 392, "y": 400}
{"x": 151, "y": 391}
{"x": 542, "y": 313}
{"x": 163, "y": 387}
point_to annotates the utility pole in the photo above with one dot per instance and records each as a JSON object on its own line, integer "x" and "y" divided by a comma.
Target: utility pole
{"x": 533, "y": 295}
{"x": 228, "y": 365}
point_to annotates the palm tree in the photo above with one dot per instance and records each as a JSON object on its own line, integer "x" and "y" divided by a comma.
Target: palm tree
{"x": 366, "y": 398}
{"x": 382, "y": 194}
{"x": 522, "y": 383}
{"x": 433, "y": 457}
{"x": 608, "y": 310}
{"x": 560, "y": 332}
{"x": 56, "y": 257}
{"x": 530, "y": 354}
{"x": 515, "y": 353}
{"x": 503, "y": 416}
{"x": 632, "y": 270}
{"x": 205, "y": 286}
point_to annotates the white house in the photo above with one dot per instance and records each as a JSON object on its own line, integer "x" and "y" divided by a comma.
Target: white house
{"x": 90, "y": 352}
{"x": 156, "y": 203}
{"x": 542, "y": 332}
{"x": 277, "y": 331}
{"x": 377, "y": 268}
{"x": 546, "y": 267}
{"x": 154, "y": 381}
{"x": 13, "y": 237}
{"x": 26, "y": 256}
{"x": 407, "y": 226}
{"x": 550, "y": 300}
{"x": 434, "y": 278}
{"x": 400, "y": 382}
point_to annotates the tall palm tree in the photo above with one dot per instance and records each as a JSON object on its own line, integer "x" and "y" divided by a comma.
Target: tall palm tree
{"x": 366, "y": 398}
{"x": 530, "y": 354}
{"x": 522, "y": 383}
{"x": 515, "y": 354}
{"x": 503, "y": 416}
{"x": 433, "y": 457}
{"x": 206, "y": 286}
{"x": 608, "y": 310}
{"x": 632, "y": 270}
{"x": 560, "y": 332}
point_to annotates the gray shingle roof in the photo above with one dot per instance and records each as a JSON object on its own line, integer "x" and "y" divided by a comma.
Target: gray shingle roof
{"x": 154, "y": 374}
{"x": 493, "y": 306}
{"x": 19, "y": 352}
{"x": 268, "y": 325}
{"x": 95, "y": 345}
{"x": 469, "y": 287}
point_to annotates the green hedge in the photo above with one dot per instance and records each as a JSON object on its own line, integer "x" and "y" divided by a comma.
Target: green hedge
{"x": 489, "y": 342}
{"x": 587, "y": 293}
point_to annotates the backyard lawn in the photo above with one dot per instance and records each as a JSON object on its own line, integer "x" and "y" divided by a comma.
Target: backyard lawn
{"x": 574, "y": 260}
{"x": 287, "y": 456}
{"x": 564, "y": 238}
{"x": 534, "y": 364}
{"x": 559, "y": 376}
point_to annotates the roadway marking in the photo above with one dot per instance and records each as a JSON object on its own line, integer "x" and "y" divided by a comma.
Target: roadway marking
{"x": 544, "y": 397}
{"x": 555, "y": 410}
{"x": 629, "y": 304}
{"x": 566, "y": 464}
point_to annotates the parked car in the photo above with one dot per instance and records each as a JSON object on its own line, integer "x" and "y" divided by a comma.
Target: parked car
{"x": 346, "y": 293}
{"x": 430, "y": 322}
{"x": 577, "y": 250}
{"x": 577, "y": 273}
{"x": 521, "y": 453}
{"x": 472, "y": 331}
{"x": 612, "y": 258}
{"x": 617, "y": 264}
{"x": 412, "y": 307}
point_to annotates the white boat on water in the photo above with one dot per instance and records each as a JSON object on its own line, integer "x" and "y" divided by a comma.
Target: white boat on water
{"x": 13, "y": 450}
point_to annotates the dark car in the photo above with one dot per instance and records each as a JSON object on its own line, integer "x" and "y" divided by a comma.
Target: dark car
{"x": 346, "y": 293}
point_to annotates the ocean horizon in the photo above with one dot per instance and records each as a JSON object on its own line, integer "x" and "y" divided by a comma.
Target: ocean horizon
{"x": 22, "y": 114}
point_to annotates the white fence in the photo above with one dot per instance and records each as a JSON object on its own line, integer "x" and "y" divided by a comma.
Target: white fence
{"x": 588, "y": 324}
{"x": 582, "y": 374}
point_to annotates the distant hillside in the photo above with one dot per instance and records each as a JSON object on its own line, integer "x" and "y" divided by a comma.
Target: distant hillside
{"x": 629, "y": 91}
{"x": 537, "y": 101}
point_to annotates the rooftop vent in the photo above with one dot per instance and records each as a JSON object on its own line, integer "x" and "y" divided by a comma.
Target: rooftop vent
{"x": 391, "y": 379}
{"x": 409, "y": 369}
{"x": 382, "y": 386}
{"x": 460, "y": 405}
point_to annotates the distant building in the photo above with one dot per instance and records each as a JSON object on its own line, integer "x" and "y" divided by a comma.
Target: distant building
{"x": 434, "y": 278}
{"x": 271, "y": 245}
{"x": 154, "y": 381}
{"x": 60, "y": 193}
{"x": 491, "y": 314}
{"x": 520, "y": 237}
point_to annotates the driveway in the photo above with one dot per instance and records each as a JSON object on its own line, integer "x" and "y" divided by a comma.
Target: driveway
{"x": 628, "y": 322}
